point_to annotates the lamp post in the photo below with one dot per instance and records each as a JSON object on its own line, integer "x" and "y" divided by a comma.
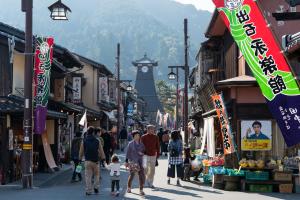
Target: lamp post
{"x": 175, "y": 76}
{"x": 26, "y": 160}
{"x": 186, "y": 76}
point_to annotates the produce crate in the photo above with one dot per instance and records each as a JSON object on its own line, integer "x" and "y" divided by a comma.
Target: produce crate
{"x": 260, "y": 188}
{"x": 286, "y": 188}
{"x": 283, "y": 176}
{"x": 257, "y": 176}
{"x": 217, "y": 178}
{"x": 207, "y": 178}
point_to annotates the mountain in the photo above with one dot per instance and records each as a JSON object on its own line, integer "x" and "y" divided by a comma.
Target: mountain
{"x": 95, "y": 27}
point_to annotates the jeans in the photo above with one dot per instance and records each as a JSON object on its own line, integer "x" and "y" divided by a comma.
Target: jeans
{"x": 91, "y": 168}
{"x": 115, "y": 183}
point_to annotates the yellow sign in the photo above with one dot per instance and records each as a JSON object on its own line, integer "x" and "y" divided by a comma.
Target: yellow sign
{"x": 256, "y": 145}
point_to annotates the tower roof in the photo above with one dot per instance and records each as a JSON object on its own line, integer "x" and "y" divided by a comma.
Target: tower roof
{"x": 145, "y": 61}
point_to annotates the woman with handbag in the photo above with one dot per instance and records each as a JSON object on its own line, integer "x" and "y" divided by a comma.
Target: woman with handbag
{"x": 134, "y": 161}
{"x": 175, "y": 157}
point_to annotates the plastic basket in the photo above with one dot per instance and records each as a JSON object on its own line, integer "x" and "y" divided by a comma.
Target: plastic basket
{"x": 207, "y": 179}
{"x": 257, "y": 176}
{"x": 232, "y": 172}
{"x": 261, "y": 188}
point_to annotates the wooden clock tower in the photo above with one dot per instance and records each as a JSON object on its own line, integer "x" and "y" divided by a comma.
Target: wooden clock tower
{"x": 145, "y": 85}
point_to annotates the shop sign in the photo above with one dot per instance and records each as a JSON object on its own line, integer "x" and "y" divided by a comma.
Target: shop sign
{"x": 59, "y": 89}
{"x": 112, "y": 90}
{"x": 263, "y": 54}
{"x": 256, "y": 135}
{"x": 77, "y": 89}
{"x": 224, "y": 124}
{"x": 103, "y": 89}
{"x": 41, "y": 80}
{"x": 130, "y": 109}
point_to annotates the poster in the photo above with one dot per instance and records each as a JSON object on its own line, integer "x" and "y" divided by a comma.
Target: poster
{"x": 228, "y": 144}
{"x": 256, "y": 135}
{"x": 103, "y": 89}
{"x": 258, "y": 45}
{"x": 41, "y": 81}
{"x": 77, "y": 89}
{"x": 113, "y": 90}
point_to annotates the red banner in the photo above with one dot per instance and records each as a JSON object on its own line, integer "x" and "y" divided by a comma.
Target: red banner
{"x": 228, "y": 144}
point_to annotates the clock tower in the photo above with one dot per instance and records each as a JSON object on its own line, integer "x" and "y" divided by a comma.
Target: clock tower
{"x": 145, "y": 86}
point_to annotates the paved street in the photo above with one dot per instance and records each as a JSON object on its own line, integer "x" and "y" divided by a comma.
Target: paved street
{"x": 61, "y": 188}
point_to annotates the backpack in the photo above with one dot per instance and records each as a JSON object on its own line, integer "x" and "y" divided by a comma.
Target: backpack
{"x": 174, "y": 152}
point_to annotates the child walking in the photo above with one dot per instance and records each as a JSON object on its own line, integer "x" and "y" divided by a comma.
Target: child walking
{"x": 114, "y": 168}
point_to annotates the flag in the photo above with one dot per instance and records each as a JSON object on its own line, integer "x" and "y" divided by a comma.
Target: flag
{"x": 248, "y": 27}
{"x": 41, "y": 81}
{"x": 83, "y": 122}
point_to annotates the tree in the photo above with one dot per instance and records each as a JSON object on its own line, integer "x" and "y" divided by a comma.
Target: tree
{"x": 167, "y": 96}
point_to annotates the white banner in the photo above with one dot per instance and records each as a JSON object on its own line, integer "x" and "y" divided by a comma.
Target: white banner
{"x": 103, "y": 89}
{"x": 76, "y": 89}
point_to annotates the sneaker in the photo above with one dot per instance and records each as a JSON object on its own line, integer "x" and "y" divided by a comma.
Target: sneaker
{"x": 169, "y": 182}
{"x": 152, "y": 187}
{"x": 96, "y": 190}
{"x": 128, "y": 190}
{"x": 196, "y": 179}
{"x": 142, "y": 193}
{"x": 166, "y": 154}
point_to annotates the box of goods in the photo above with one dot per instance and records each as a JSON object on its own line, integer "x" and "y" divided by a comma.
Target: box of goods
{"x": 235, "y": 172}
{"x": 260, "y": 188}
{"x": 283, "y": 176}
{"x": 286, "y": 188}
{"x": 217, "y": 170}
{"x": 257, "y": 176}
{"x": 207, "y": 179}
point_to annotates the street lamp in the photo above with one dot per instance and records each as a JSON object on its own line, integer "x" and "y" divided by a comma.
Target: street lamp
{"x": 172, "y": 75}
{"x": 129, "y": 88}
{"x": 59, "y": 11}
{"x": 26, "y": 158}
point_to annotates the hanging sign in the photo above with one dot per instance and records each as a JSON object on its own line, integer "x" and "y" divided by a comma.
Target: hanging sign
{"x": 103, "y": 89}
{"x": 224, "y": 123}
{"x": 42, "y": 68}
{"x": 257, "y": 43}
{"x": 77, "y": 89}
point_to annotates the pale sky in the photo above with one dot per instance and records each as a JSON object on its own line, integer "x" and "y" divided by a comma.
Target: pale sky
{"x": 200, "y": 4}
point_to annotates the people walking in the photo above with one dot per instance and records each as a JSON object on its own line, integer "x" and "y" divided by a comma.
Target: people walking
{"x": 160, "y": 135}
{"x": 134, "y": 161}
{"x": 92, "y": 150}
{"x": 123, "y": 138}
{"x": 114, "y": 168}
{"x": 107, "y": 145}
{"x": 165, "y": 142}
{"x": 175, "y": 157}
{"x": 152, "y": 149}
{"x": 76, "y": 142}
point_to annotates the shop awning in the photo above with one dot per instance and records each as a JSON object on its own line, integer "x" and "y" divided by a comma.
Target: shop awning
{"x": 242, "y": 80}
{"x": 72, "y": 107}
{"x": 92, "y": 113}
{"x": 58, "y": 115}
{"x": 106, "y": 106}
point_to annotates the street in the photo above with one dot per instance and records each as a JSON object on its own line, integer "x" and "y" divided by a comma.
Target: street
{"x": 61, "y": 188}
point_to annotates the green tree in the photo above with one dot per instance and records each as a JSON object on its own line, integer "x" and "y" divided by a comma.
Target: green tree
{"x": 167, "y": 95}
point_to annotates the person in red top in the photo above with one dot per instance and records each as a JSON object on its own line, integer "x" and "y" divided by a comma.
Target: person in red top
{"x": 152, "y": 148}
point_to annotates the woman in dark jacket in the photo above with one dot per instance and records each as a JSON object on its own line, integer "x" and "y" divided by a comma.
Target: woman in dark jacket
{"x": 175, "y": 157}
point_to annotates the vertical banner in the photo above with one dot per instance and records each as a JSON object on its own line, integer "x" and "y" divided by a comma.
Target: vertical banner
{"x": 42, "y": 68}
{"x": 103, "y": 89}
{"x": 59, "y": 89}
{"x": 258, "y": 44}
{"x": 228, "y": 144}
{"x": 77, "y": 89}
{"x": 112, "y": 90}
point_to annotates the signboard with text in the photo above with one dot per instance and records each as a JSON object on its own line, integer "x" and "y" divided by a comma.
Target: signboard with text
{"x": 224, "y": 124}
{"x": 258, "y": 45}
{"x": 77, "y": 89}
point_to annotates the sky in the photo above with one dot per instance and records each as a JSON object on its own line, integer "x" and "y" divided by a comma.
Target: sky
{"x": 200, "y": 4}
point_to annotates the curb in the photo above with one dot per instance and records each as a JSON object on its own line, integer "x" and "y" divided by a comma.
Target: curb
{"x": 49, "y": 181}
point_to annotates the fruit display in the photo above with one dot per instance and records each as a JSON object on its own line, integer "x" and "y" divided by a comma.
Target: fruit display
{"x": 260, "y": 164}
{"x": 272, "y": 164}
{"x": 252, "y": 163}
{"x": 216, "y": 161}
{"x": 243, "y": 163}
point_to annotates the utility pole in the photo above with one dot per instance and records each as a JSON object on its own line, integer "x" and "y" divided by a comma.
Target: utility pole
{"x": 177, "y": 99}
{"x": 27, "y": 124}
{"x": 118, "y": 90}
{"x": 186, "y": 75}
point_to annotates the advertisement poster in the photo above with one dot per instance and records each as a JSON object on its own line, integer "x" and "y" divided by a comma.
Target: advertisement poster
{"x": 248, "y": 27}
{"x": 256, "y": 135}
{"x": 103, "y": 89}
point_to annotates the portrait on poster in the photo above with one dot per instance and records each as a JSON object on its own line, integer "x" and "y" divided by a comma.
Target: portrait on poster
{"x": 256, "y": 135}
